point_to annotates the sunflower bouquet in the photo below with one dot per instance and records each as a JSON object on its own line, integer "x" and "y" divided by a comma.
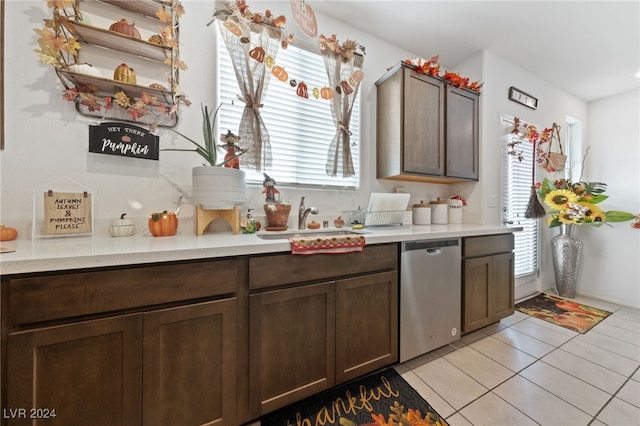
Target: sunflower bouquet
{"x": 577, "y": 203}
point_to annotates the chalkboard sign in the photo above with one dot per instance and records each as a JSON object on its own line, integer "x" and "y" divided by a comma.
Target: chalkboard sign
{"x": 125, "y": 140}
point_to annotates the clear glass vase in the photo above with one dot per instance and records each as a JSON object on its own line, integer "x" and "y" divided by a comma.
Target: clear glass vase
{"x": 566, "y": 251}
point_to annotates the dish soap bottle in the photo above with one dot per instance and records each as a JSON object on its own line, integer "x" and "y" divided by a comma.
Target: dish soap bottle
{"x": 248, "y": 224}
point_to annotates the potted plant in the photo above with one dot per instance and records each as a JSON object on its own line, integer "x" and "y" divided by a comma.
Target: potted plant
{"x": 217, "y": 184}
{"x": 275, "y": 209}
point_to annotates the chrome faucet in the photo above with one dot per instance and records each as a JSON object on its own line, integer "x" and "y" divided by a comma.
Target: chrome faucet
{"x": 303, "y": 212}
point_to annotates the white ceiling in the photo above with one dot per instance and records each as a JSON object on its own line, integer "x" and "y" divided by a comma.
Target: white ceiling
{"x": 590, "y": 49}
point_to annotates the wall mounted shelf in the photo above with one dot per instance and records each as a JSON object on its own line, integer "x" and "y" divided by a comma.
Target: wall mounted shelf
{"x": 156, "y": 64}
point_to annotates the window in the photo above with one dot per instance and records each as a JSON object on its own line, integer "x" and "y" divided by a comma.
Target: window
{"x": 300, "y": 129}
{"x": 516, "y": 192}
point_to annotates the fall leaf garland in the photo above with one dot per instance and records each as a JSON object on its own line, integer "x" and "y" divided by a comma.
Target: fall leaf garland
{"x": 432, "y": 67}
{"x": 327, "y": 44}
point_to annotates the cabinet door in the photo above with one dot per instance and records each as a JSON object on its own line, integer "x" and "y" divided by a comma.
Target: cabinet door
{"x": 366, "y": 324}
{"x": 475, "y": 293}
{"x": 190, "y": 365}
{"x": 88, "y": 372}
{"x": 462, "y": 133}
{"x": 424, "y": 150}
{"x": 292, "y": 341}
{"x": 502, "y": 287}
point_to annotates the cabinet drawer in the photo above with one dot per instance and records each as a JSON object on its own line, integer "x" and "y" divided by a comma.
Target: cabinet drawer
{"x": 487, "y": 245}
{"x": 282, "y": 269}
{"x": 52, "y": 297}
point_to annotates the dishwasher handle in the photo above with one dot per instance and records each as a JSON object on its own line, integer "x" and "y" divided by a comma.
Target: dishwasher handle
{"x": 433, "y": 251}
{"x": 430, "y": 245}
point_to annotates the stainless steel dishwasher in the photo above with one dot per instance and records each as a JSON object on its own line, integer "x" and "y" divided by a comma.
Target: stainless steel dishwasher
{"x": 430, "y": 295}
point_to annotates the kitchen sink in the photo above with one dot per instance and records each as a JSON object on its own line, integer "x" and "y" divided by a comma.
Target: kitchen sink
{"x": 285, "y": 235}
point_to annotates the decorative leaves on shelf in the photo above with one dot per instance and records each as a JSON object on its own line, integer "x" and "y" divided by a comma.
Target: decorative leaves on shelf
{"x": 432, "y": 67}
{"x": 58, "y": 48}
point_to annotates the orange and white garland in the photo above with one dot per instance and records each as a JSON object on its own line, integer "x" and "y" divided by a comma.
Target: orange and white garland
{"x": 302, "y": 89}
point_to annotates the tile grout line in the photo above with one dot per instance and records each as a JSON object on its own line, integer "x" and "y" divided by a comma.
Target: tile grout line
{"x": 615, "y": 394}
{"x": 491, "y": 390}
{"x": 517, "y": 373}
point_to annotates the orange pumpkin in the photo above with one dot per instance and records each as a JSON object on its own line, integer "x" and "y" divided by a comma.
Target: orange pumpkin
{"x": 302, "y": 90}
{"x": 124, "y": 27}
{"x": 326, "y": 93}
{"x": 163, "y": 224}
{"x": 7, "y": 233}
{"x": 233, "y": 28}
{"x": 279, "y": 73}
{"x": 156, "y": 39}
{"x": 257, "y": 53}
{"x": 125, "y": 74}
{"x": 357, "y": 76}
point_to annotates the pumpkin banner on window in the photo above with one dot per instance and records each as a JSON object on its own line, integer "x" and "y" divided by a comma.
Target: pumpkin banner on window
{"x": 326, "y": 93}
{"x": 258, "y": 53}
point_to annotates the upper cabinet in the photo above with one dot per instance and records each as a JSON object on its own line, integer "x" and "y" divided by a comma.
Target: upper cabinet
{"x": 121, "y": 59}
{"x": 427, "y": 129}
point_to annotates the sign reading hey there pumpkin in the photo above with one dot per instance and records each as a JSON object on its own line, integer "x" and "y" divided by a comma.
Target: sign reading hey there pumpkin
{"x": 125, "y": 140}
{"x": 67, "y": 213}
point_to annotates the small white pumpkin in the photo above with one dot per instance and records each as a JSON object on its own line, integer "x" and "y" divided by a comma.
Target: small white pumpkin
{"x": 122, "y": 227}
{"x": 84, "y": 68}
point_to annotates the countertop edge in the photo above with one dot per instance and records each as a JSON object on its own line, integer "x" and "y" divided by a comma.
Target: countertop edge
{"x": 97, "y": 252}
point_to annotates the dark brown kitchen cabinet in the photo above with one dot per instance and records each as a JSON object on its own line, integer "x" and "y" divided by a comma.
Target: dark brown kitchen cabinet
{"x": 488, "y": 280}
{"x": 427, "y": 130}
{"x": 318, "y": 321}
{"x": 462, "y": 130}
{"x": 146, "y": 345}
{"x": 189, "y": 370}
{"x": 366, "y": 324}
{"x": 292, "y": 344}
{"x": 76, "y": 372}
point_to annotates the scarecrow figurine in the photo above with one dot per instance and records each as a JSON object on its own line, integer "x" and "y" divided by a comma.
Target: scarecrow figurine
{"x": 270, "y": 189}
{"x": 231, "y": 159}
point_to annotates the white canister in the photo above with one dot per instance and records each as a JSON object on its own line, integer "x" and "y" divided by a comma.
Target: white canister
{"x": 422, "y": 215}
{"x": 407, "y": 218}
{"x": 455, "y": 211}
{"x": 439, "y": 212}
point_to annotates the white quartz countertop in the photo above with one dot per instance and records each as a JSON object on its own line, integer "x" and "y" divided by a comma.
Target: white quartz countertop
{"x": 69, "y": 253}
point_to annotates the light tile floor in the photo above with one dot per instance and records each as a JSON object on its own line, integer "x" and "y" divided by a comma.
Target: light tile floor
{"x": 525, "y": 371}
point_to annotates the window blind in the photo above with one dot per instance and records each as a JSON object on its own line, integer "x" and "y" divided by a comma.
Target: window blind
{"x": 516, "y": 191}
{"x": 300, "y": 129}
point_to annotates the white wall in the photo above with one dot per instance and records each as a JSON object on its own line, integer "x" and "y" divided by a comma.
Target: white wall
{"x": 612, "y": 254}
{"x": 47, "y": 140}
{"x": 45, "y": 134}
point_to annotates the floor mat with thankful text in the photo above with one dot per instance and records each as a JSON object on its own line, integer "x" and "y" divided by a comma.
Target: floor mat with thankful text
{"x": 380, "y": 399}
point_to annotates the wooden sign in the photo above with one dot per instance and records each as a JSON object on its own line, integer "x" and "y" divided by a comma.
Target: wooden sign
{"x": 125, "y": 140}
{"x": 67, "y": 213}
{"x": 304, "y": 17}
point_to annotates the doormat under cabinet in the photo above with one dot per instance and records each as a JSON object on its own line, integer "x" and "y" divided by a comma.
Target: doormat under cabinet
{"x": 380, "y": 399}
{"x": 565, "y": 313}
